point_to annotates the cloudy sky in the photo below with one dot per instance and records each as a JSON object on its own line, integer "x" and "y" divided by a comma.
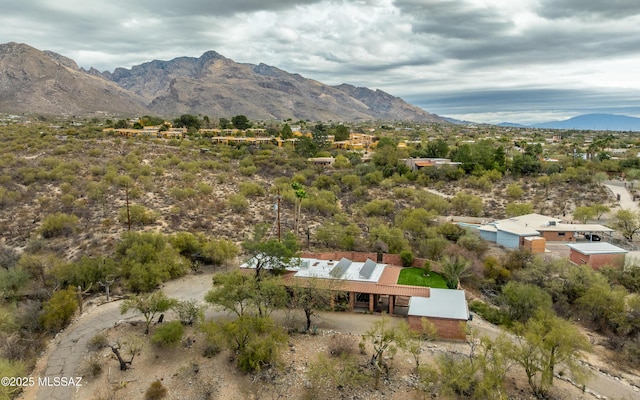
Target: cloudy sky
{"x": 481, "y": 60}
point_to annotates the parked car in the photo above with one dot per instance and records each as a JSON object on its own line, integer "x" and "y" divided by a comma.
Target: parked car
{"x": 592, "y": 237}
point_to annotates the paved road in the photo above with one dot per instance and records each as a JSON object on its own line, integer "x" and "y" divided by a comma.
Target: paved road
{"x": 626, "y": 199}
{"x": 69, "y": 348}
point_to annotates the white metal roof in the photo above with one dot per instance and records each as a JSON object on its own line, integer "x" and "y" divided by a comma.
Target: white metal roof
{"x": 596, "y": 248}
{"x": 442, "y": 303}
{"x": 311, "y": 267}
{"x": 516, "y": 229}
{"x": 575, "y": 228}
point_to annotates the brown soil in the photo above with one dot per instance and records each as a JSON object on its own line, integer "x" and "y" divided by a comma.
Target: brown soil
{"x": 188, "y": 374}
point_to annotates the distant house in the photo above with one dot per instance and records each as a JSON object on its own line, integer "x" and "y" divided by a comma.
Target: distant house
{"x": 511, "y": 232}
{"x": 324, "y": 161}
{"x": 597, "y": 254}
{"x": 417, "y": 163}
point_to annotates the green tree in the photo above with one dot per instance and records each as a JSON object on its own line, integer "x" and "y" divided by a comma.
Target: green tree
{"x": 627, "y": 222}
{"x": 149, "y": 305}
{"x": 240, "y": 122}
{"x": 545, "y": 342}
{"x": 517, "y": 209}
{"x": 466, "y": 204}
{"x": 58, "y": 311}
{"x": 454, "y": 268}
{"x": 385, "y": 339}
{"x": 243, "y": 294}
{"x": 191, "y": 122}
{"x": 312, "y": 295}
{"x": 584, "y": 213}
{"x": 270, "y": 254}
{"x": 600, "y": 210}
{"x": 523, "y": 300}
{"x": 436, "y": 149}
{"x": 146, "y": 260}
{"x": 340, "y": 133}
{"x": 256, "y": 340}
{"x": 286, "y": 132}
{"x": 224, "y": 123}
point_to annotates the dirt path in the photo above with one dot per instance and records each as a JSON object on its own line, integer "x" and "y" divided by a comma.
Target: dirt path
{"x": 66, "y": 352}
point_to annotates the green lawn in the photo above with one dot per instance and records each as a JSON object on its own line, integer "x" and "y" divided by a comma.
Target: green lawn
{"x": 413, "y": 276}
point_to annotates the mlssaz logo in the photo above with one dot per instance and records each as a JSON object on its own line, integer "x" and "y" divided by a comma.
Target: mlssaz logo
{"x": 60, "y": 381}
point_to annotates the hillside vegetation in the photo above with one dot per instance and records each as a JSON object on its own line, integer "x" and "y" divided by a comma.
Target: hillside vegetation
{"x": 81, "y": 208}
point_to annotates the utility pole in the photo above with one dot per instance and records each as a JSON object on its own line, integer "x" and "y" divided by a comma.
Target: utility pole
{"x": 278, "y": 209}
{"x": 126, "y": 191}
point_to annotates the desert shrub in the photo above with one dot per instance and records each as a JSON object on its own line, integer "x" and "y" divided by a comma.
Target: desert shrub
{"x": 473, "y": 243}
{"x": 168, "y": 334}
{"x": 205, "y": 189}
{"x": 93, "y": 366}
{"x": 341, "y": 345}
{"x": 350, "y": 181}
{"x": 248, "y": 171}
{"x": 450, "y": 231}
{"x": 188, "y": 311}
{"x": 59, "y": 224}
{"x": 156, "y": 391}
{"x": 379, "y": 207}
{"x": 10, "y": 369}
{"x": 98, "y": 342}
{"x": 407, "y": 257}
{"x": 514, "y": 191}
{"x": 251, "y": 189}
{"x": 323, "y": 202}
{"x": 237, "y": 202}
{"x": 218, "y": 252}
{"x": 323, "y": 182}
{"x": 58, "y": 311}
{"x": 373, "y": 178}
{"x": 434, "y": 248}
{"x": 182, "y": 193}
{"x": 488, "y": 313}
{"x": 139, "y": 215}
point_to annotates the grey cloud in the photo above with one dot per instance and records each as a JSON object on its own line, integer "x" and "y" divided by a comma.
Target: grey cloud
{"x": 217, "y": 7}
{"x": 453, "y": 19}
{"x": 540, "y": 99}
{"x": 589, "y": 9}
{"x": 550, "y": 45}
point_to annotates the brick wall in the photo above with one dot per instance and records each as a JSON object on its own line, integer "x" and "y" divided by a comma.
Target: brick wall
{"x": 454, "y": 329}
{"x": 392, "y": 259}
{"x": 598, "y": 261}
{"x": 578, "y": 258}
{"x": 554, "y": 236}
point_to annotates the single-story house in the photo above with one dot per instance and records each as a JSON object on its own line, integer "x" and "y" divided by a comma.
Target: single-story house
{"x": 374, "y": 287}
{"x": 511, "y": 232}
{"x": 597, "y": 254}
{"x": 417, "y": 163}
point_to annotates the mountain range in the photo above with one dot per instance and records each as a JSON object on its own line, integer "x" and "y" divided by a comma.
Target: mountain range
{"x": 592, "y": 122}
{"x": 42, "y": 82}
